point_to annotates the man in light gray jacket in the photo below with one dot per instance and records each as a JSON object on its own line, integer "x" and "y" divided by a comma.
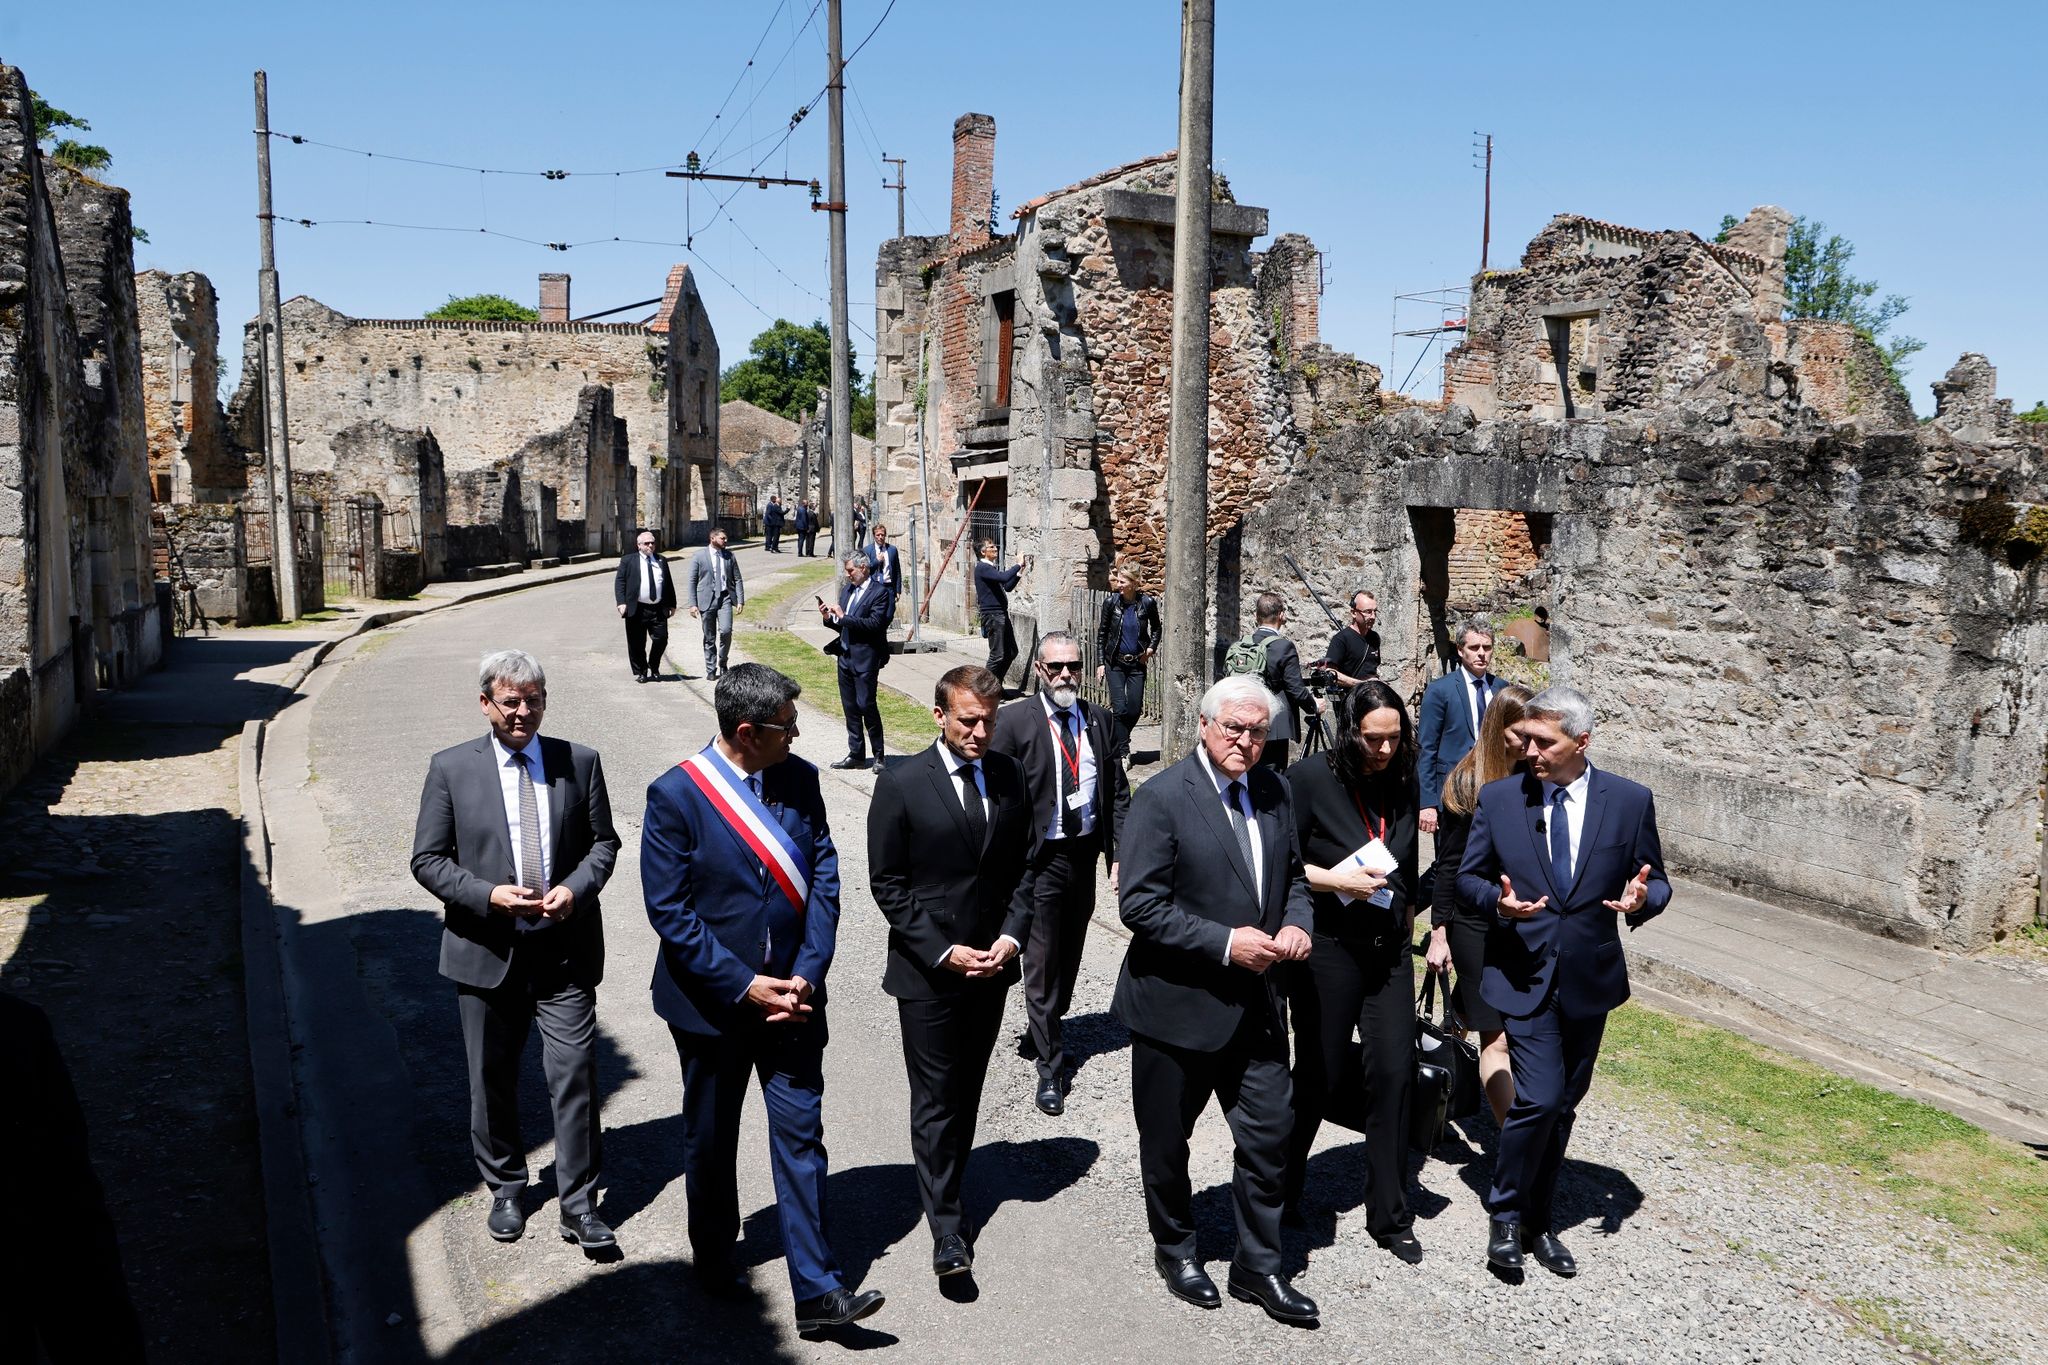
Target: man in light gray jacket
{"x": 716, "y": 595}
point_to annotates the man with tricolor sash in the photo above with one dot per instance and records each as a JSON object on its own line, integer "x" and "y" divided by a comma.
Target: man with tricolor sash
{"x": 742, "y": 883}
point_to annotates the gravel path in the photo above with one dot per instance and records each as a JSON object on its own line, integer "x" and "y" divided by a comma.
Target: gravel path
{"x": 1686, "y": 1256}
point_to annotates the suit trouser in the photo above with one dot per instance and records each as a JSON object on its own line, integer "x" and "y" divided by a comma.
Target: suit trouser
{"x": 947, "y": 1042}
{"x": 1002, "y": 642}
{"x": 646, "y": 636}
{"x": 1062, "y": 901}
{"x": 1552, "y": 1058}
{"x": 717, "y": 623}
{"x": 774, "y": 534}
{"x": 1367, "y": 985}
{"x": 495, "y": 1023}
{"x": 1126, "y": 701}
{"x": 788, "y": 1060}
{"x": 857, "y": 698}
{"x": 1170, "y": 1086}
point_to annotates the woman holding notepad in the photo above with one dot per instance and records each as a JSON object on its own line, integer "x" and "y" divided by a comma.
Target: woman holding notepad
{"x": 1355, "y": 806}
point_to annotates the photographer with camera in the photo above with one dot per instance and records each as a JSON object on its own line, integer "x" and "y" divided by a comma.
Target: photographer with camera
{"x": 1354, "y": 653}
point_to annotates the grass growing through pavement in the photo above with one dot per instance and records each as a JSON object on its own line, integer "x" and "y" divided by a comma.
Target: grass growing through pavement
{"x": 1778, "y": 1111}
{"x": 804, "y": 577}
{"x": 906, "y": 725}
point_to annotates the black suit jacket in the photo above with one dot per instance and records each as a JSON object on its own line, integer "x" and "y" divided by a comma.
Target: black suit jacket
{"x": 1024, "y": 731}
{"x": 462, "y": 848}
{"x": 933, "y": 888}
{"x": 1184, "y": 888}
{"x": 863, "y": 643}
{"x": 626, "y": 582}
{"x": 1283, "y": 678}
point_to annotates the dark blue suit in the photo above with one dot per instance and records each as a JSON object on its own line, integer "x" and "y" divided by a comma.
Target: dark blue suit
{"x": 723, "y": 920}
{"x": 862, "y": 649}
{"x": 878, "y": 557}
{"x": 1555, "y": 976}
{"x": 1444, "y": 733}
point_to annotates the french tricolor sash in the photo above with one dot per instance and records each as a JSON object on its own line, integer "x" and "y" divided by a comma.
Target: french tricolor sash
{"x": 748, "y": 818}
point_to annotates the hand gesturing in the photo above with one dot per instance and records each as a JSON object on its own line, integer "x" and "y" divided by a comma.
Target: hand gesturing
{"x": 1635, "y": 895}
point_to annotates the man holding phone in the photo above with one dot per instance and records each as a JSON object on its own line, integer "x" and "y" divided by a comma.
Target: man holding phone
{"x": 862, "y": 620}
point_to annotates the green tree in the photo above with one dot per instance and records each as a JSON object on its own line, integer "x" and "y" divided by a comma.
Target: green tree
{"x": 1818, "y": 285}
{"x": 483, "y": 308}
{"x": 49, "y": 121}
{"x": 2037, "y": 413}
{"x": 784, "y": 369}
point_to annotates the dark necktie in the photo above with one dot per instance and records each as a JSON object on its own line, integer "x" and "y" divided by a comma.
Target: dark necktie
{"x": 1233, "y": 802}
{"x": 970, "y": 798}
{"x": 531, "y": 874}
{"x": 1560, "y": 845}
{"x": 1070, "y": 815}
{"x": 1479, "y": 707}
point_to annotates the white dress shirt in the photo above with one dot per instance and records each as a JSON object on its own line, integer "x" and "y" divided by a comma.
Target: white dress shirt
{"x": 1251, "y": 821}
{"x": 650, "y": 581}
{"x": 508, "y": 785}
{"x": 954, "y": 763}
{"x": 1574, "y": 813}
{"x": 1089, "y": 773}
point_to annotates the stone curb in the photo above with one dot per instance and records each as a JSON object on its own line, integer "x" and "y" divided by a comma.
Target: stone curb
{"x": 298, "y": 1270}
{"x": 298, "y": 1290}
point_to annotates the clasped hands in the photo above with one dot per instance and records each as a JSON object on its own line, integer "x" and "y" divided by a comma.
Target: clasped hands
{"x": 781, "y": 1000}
{"x": 1255, "y": 950}
{"x": 520, "y": 901}
{"x": 979, "y": 962}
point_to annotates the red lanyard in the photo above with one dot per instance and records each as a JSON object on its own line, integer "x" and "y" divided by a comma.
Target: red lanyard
{"x": 1073, "y": 756}
{"x": 1379, "y": 834}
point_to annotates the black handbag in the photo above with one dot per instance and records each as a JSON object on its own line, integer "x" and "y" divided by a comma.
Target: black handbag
{"x": 1442, "y": 1043}
{"x": 1426, "y": 1104}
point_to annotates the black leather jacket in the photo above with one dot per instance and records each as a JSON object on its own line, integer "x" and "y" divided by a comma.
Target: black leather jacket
{"x": 1109, "y": 630}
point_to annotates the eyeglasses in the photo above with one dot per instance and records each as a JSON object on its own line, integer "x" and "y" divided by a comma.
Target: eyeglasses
{"x": 1061, "y": 666}
{"x": 518, "y": 704}
{"x": 789, "y": 729}
{"x": 1237, "y": 732}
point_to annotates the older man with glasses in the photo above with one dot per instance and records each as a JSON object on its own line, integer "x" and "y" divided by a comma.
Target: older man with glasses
{"x": 515, "y": 839}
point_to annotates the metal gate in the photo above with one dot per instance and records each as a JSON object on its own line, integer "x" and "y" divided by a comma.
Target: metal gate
{"x": 983, "y": 525}
{"x": 349, "y": 558}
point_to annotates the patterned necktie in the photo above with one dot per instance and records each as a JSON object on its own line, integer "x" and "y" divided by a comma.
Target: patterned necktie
{"x": 1560, "y": 844}
{"x": 1233, "y": 799}
{"x": 1070, "y": 815}
{"x": 531, "y": 873}
{"x": 970, "y": 798}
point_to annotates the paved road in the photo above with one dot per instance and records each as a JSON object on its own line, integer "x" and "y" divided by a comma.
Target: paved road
{"x": 1667, "y": 1234}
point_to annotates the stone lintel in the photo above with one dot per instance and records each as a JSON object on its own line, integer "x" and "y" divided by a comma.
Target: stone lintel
{"x": 1581, "y": 308}
{"x": 1225, "y": 220}
{"x": 1487, "y": 485}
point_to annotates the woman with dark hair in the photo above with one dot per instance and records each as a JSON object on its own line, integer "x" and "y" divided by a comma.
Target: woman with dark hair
{"x": 1457, "y": 933}
{"x": 1359, "y": 975}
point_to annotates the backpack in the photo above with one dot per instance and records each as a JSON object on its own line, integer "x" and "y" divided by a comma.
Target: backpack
{"x": 1248, "y": 655}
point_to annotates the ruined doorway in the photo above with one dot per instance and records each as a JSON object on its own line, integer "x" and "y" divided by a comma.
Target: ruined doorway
{"x": 1485, "y": 562}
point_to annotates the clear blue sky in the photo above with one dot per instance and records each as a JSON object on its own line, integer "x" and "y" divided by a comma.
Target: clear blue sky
{"x": 1915, "y": 132}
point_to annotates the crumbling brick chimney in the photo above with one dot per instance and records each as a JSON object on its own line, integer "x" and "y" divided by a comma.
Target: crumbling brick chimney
{"x": 974, "y": 179}
{"x": 554, "y": 298}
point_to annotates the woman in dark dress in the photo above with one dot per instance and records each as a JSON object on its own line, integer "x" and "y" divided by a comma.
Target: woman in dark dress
{"x": 1457, "y": 933}
{"x": 1360, "y": 974}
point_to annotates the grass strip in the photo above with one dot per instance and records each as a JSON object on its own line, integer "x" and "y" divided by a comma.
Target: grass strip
{"x": 906, "y": 725}
{"x": 802, "y": 577}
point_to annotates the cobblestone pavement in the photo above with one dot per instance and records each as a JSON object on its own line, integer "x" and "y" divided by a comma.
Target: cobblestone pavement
{"x": 1686, "y": 1255}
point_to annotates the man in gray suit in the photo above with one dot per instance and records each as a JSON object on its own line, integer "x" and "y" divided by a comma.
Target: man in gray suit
{"x": 716, "y": 595}
{"x": 515, "y": 838}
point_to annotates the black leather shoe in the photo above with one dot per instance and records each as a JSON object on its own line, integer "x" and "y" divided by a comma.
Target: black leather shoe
{"x": 720, "y": 1278}
{"x": 952, "y": 1256}
{"x": 1186, "y": 1280}
{"x": 1403, "y": 1245}
{"x": 1550, "y": 1253}
{"x": 587, "y": 1230}
{"x": 1281, "y": 1300}
{"x": 640, "y": 677}
{"x": 835, "y": 1309}
{"x": 507, "y": 1220}
{"x": 1503, "y": 1244}
{"x": 1051, "y": 1096}
{"x": 849, "y": 762}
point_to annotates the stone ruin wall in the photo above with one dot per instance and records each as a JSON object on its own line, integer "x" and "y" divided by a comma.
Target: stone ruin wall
{"x": 1842, "y": 376}
{"x": 1828, "y": 679}
{"x": 190, "y": 456}
{"x": 676, "y": 466}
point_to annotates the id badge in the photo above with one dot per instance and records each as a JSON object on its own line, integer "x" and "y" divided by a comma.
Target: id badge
{"x": 1383, "y": 898}
{"x": 1077, "y": 800}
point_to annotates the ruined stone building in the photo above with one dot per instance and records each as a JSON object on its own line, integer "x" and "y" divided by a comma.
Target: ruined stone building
{"x": 1030, "y": 371}
{"x": 764, "y": 455}
{"x": 78, "y": 605}
{"x": 457, "y": 444}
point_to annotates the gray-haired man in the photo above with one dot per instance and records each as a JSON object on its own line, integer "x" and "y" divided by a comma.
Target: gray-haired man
{"x": 515, "y": 838}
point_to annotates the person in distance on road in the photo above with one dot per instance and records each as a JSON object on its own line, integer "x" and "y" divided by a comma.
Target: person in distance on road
{"x": 717, "y": 593}
{"x": 741, "y": 880}
{"x": 515, "y": 839}
{"x": 862, "y": 620}
{"x": 645, "y": 591}
{"x": 1126, "y": 637}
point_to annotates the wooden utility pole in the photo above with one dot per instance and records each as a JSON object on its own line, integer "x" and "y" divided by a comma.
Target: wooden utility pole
{"x": 840, "y": 425}
{"x": 896, "y": 185}
{"x": 1186, "y": 596}
{"x": 277, "y": 441}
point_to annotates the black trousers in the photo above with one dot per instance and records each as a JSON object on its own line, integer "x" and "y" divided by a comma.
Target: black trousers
{"x": 1364, "y": 985}
{"x": 1552, "y": 1058}
{"x": 806, "y": 543}
{"x": 947, "y": 1042}
{"x": 646, "y": 636}
{"x": 857, "y": 698}
{"x": 1126, "y": 701}
{"x": 495, "y": 1024}
{"x": 1170, "y": 1086}
{"x": 1062, "y": 901}
{"x": 1002, "y": 642}
{"x": 774, "y": 536}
